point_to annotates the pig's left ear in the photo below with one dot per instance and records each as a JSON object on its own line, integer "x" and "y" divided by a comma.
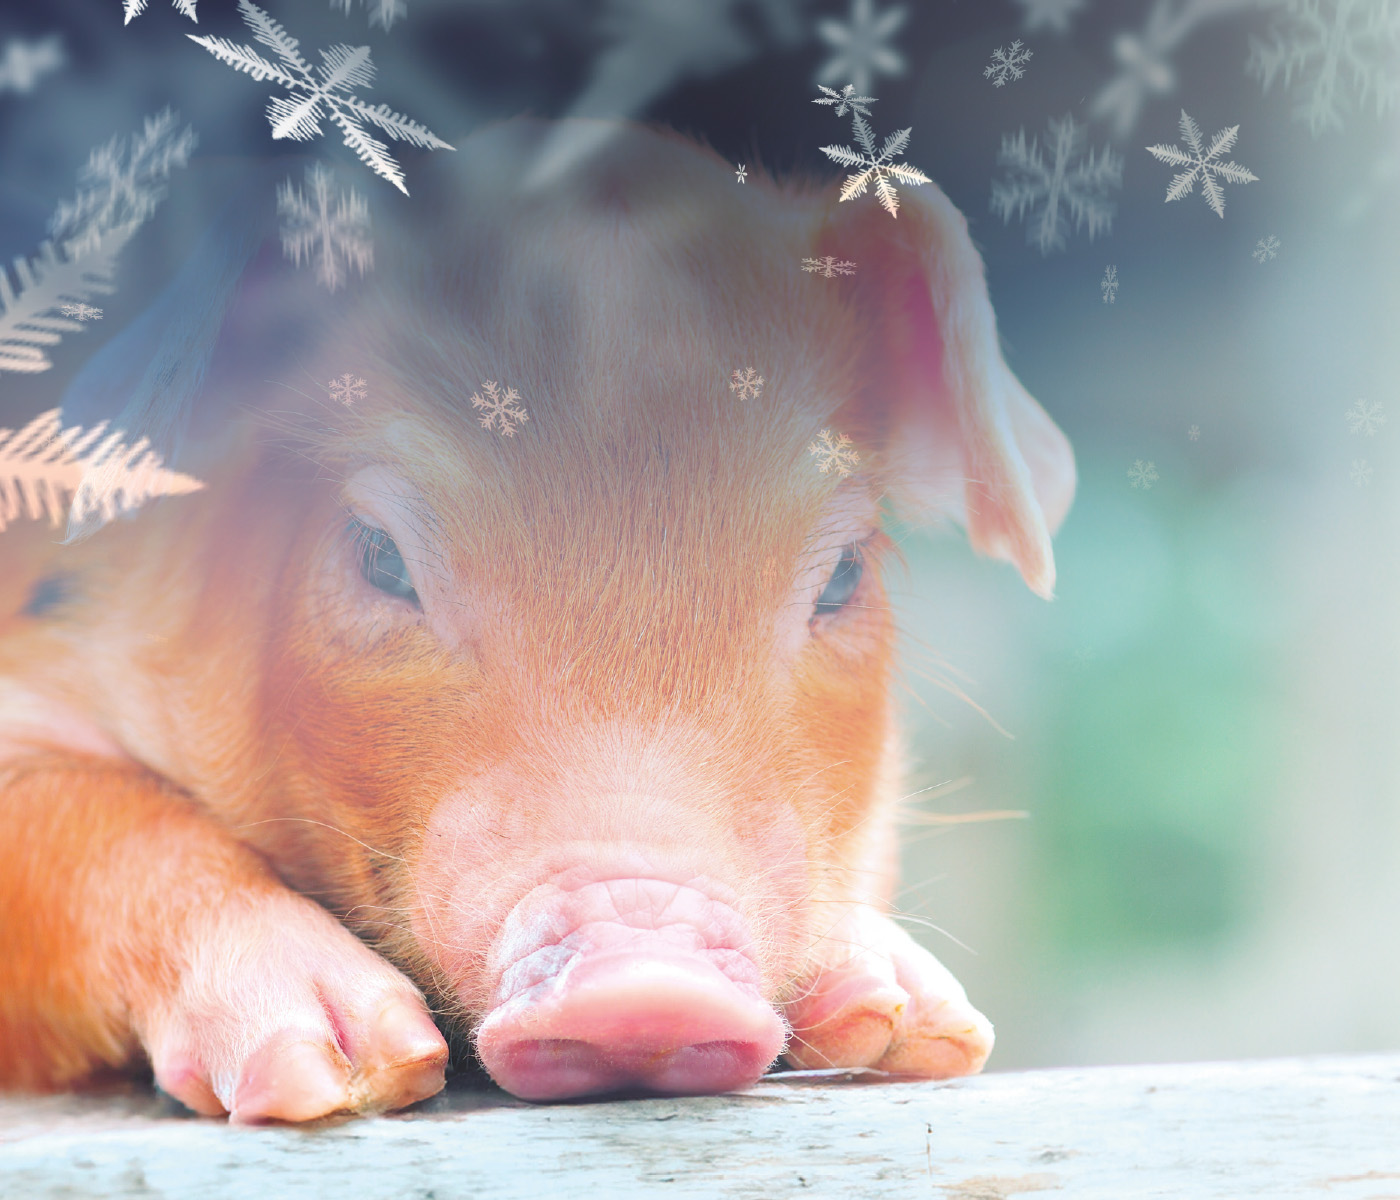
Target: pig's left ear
{"x": 961, "y": 436}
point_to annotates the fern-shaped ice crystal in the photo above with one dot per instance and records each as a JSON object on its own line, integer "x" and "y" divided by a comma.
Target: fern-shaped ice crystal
{"x": 328, "y": 227}
{"x": 134, "y": 8}
{"x": 1202, "y": 162}
{"x": 328, "y": 91}
{"x": 869, "y": 165}
{"x": 1060, "y": 190}
{"x": 42, "y": 463}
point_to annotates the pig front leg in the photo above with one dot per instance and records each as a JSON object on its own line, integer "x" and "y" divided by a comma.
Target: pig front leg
{"x": 131, "y": 922}
{"x": 875, "y": 998}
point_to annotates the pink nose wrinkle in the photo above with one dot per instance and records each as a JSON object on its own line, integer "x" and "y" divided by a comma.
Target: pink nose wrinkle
{"x": 626, "y": 984}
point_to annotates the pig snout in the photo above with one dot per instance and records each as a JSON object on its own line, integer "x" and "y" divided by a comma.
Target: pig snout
{"x": 626, "y": 984}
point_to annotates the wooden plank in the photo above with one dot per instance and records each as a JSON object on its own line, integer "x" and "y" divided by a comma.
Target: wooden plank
{"x": 1320, "y": 1128}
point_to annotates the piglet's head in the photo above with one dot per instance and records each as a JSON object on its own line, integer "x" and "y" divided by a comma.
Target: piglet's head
{"x": 577, "y": 654}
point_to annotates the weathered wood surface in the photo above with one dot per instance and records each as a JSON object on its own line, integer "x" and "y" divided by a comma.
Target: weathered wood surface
{"x": 1325, "y": 1128}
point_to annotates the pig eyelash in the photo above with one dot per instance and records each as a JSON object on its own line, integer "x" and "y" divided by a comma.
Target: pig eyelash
{"x": 370, "y": 542}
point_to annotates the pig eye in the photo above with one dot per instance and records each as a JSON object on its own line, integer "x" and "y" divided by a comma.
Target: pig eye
{"x": 380, "y": 562}
{"x": 843, "y": 583}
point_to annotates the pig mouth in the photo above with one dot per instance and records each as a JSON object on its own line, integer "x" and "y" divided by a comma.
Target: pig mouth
{"x": 626, "y": 985}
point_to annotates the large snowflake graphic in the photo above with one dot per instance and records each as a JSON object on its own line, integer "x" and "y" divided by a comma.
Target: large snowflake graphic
{"x": 1334, "y": 49}
{"x": 1007, "y": 65}
{"x": 1201, "y": 163}
{"x": 876, "y": 166}
{"x": 134, "y": 8}
{"x": 1366, "y": 416}
{"x": 1064, "y": 189}
{"x": 859, "y": 47}
{"x": 502, "y": 408}
{"x": 1050, "y": 14}
{"x": 328, "y": 228}
{"x": 342, "y": 69}
{"x": 836, "y": 453}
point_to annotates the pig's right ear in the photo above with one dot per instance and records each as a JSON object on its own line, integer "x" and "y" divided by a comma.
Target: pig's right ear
{"x": 234, "y": 301}
{"x": 961, "y": 437}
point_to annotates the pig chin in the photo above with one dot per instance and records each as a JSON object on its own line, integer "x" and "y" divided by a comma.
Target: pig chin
{"x": 621, "y": 973}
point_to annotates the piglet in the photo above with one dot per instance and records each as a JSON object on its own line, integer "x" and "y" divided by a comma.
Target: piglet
{"x": 532, "y": 701}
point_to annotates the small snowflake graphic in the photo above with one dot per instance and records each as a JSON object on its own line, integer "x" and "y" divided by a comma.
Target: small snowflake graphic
{"x": 746, "y": 384}
{"x": 329, "y": 229}
{"x": 347, "y": 389}
{"x": 1360, "y": 472}
{"x": 1194, "y": 433}
{"x": 1108, "y": 285}
{"x": 81, "y": 312}
{"x": 298, "y": 115}
{"x": 742, "y": 173}
{"x": 1266, "y": 248}
{"x": 502, "y": 408}
{"x": 1007, "y": 65}
{"x": 878, "y": 167}
{"x": 1201, "y": 164}
{"x": 1365, "y": 416}
{"x": 1332, "y": 47}
{"x": 859, "y": 48}
{"x": 1050, "y": 14}
{"x": 1143, "y": 474}
{"x": 1065, "y": 183}
{"x": 834, "y": 454}
{"x": 828, "y": 267}
{"x": 23, "y": 63}
{"x": 844, "y": 100}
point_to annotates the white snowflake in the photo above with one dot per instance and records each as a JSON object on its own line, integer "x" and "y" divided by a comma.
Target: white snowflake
{"x": 859, "y": 47}
{"x": 1360, "y": 472}
{"x": 1366, "y": 416}
{"x": 330, "y": 230}
{"x": 845, "y": 100}
{"x": 81, "y": 312}
{"x": 829, "y": 266}
{"x": 25, "y": 63}
{"x": 134, "y": 8}
{"x": 1109, "y": 284}
{"x": 1194, "y": 433}
{"x": 1266, "y": 248}
{"x": 117, "y": 193}
{"x": 1143, "y": 474}
{"x": 834, "y": 454}
{"x": 347, "y": 389}
{"x": 342, "y": 69}
{"x": 1050, "y": 14}
{"x": 746, "y": 384}
{"x": 1201, "y": 164}
{"x": 1007, "y": 65}
{"x": 381, "y": 12}
{"x": 42, "y": 462}
{"x": 502, "y": 408}
{"x": 877, "y": 167}
{"x": 742, "y": 173}
{"x": 1333, "y": 47}
{"x": 1144, "y": 59}
{"x": 122, "y": 182}
{"x": 1065, "y": 184}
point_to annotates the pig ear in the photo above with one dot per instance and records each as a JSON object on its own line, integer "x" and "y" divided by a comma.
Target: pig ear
{"x": 961, "y": 436}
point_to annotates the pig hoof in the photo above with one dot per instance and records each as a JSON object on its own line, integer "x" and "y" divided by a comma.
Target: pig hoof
{"x": 282, "y": 1014}
{"x": 891, "y": 1005}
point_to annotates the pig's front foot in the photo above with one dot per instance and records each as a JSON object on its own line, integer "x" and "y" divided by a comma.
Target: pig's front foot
{"x": 280, "y": 1013}
{"x": 879, "y": 999}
